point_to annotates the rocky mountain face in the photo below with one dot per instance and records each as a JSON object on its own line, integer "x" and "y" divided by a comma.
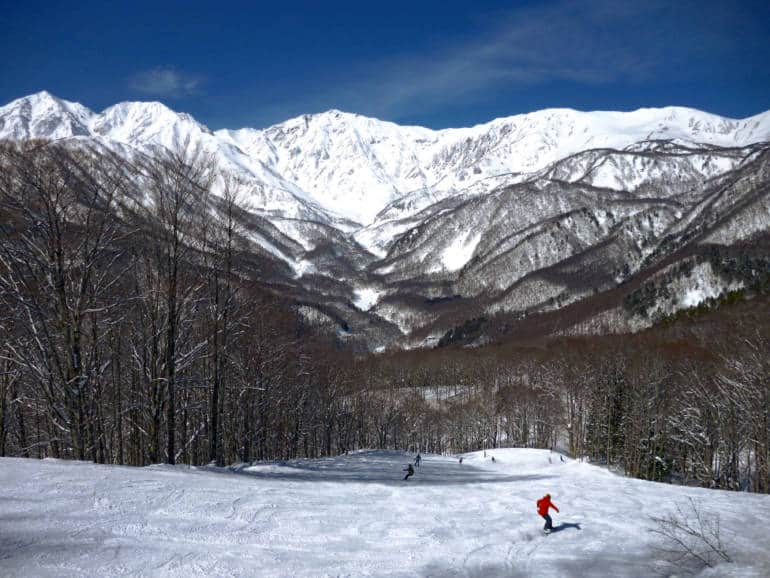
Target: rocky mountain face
{"x": 554, "y": 221}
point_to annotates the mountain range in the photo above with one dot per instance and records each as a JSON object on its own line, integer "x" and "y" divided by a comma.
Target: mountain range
{"x": 556, "y": 221}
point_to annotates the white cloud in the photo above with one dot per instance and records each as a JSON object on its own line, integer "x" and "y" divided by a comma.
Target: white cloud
{"x": 166, "y": 82}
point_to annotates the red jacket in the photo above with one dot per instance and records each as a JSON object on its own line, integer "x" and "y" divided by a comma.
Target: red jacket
{"x": 543, "y": 504}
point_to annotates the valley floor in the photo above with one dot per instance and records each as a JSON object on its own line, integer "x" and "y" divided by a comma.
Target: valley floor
{"x": 354, "y": 516}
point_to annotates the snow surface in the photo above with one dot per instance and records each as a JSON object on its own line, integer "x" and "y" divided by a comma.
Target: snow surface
{"x": 354, "y": 516}
{"x": 460, "y": 251}
{"x": 694, "y": 297}
{"x": 364, "y": 298}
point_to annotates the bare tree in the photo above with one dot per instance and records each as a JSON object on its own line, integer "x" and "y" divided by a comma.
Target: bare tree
{"x": 221, "y": 249}
{"x": 178, "y": 183}
{"x": 692, "y": 536}
{"x": 57, "y": 251}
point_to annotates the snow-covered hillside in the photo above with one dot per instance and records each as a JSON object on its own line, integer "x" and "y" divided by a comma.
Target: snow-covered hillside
{"x": 354, "y": 516}
{"x": 518, "y": 215}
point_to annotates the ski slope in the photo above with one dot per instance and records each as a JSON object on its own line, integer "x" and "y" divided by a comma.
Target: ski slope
{"x": 353, "y": 516}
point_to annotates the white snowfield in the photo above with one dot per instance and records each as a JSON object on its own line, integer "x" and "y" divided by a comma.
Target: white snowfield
{"x": 354, "y": 516}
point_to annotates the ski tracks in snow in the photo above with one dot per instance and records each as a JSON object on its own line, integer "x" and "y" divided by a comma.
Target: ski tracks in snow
{"x": 346, "y": 516}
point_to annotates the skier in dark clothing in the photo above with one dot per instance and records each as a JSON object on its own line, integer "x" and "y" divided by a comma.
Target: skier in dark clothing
{"x": 417, "y": 460}
{"x": 409, "y": 471}
{"x": 542, "y": 508}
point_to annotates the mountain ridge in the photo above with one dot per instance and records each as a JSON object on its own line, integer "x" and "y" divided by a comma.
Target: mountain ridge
{"x": 354, "y": 166}
{"x": 399, "y": 234}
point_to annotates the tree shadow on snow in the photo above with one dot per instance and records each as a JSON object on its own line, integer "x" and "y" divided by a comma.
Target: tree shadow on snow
{"x": 488, "y": 570}
{"x": 612, "y": 561}
{"x": 377, "y": 467}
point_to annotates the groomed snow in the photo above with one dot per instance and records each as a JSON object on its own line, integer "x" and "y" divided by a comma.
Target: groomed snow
{"x": 353, "y": 516}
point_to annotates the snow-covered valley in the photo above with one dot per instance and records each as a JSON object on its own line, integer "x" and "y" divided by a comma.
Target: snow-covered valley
{"x": 353, "y": 515}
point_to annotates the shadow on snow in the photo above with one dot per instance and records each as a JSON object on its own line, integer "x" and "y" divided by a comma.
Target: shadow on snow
{"x": 564, "y": 526}
{"x": 377, "y": 467}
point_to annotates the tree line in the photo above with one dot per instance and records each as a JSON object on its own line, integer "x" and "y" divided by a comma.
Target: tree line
{"x": 133, "y": 331}
{"x": 130, "y": 332}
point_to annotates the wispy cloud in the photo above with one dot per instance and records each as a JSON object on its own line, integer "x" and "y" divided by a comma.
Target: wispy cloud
{"x": 589, "y": 42}
{"x": 165, "y": 82}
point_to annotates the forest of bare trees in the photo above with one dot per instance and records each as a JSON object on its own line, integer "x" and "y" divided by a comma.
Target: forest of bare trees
{"x": 131, "y": 332}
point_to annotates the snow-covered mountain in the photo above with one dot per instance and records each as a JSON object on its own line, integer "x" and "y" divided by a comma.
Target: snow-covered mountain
{"x": 42, "y": 115}
{"x": 521, "y": 214}
{"x": 354, "y": 166}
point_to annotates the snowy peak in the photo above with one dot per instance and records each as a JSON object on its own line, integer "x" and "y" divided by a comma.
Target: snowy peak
{"x": 42, "y": 115}
{"x": 754, "y": 129}
{"x": 350, "y": 164}
{"x": 147, "y": 123}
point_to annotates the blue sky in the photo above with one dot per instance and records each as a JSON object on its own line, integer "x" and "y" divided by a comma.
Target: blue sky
{"x": 438, "y": 64}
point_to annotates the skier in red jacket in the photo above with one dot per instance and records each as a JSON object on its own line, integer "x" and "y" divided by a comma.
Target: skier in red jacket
{"x": 542, "y": 508}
